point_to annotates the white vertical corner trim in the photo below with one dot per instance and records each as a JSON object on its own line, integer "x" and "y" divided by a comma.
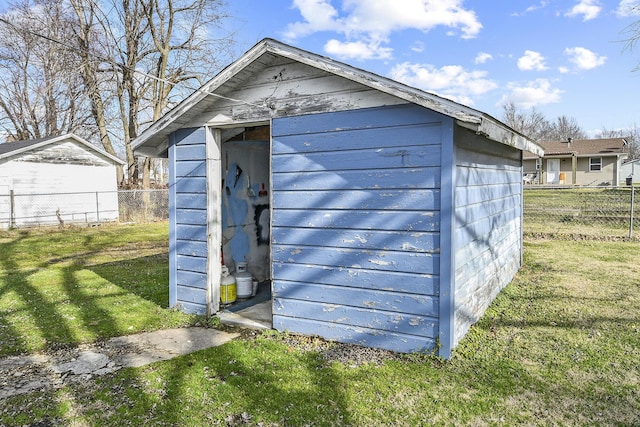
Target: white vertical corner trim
{"x": 214, "y": 226}
{"x": 173, "y": 225}
{"x": 521, "y": 210}
{"x": 270, "y": 184}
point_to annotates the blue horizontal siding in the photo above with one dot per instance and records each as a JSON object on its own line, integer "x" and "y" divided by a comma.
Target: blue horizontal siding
{"x": 191, "y": 247}
{"x": 410, "y": 178}
{"x": 191, "y": 216}
{"x": 192, "y": 308}
{"x": 359, "y": 139}
{"x": 385, "y": 321}
{"x": 488, "y": 230}
{"x": 355, "y": 225}
{"x": 188, "y": 249}
{"x": 192, "y": 168}
{"x": 369, "y": 337}
{"x": 423, "y": 305}
{"x": 388, "y": 116}
{"x": 191, "y": 152}
{"x": 400, "y": 157}
{"x": 490, "y": 207}
{"x": 401, "y": 240}
{"x": 196, "y": 233}
{"x": 360, "y": 219}
{"x": 403, "y": 261}
{"x": 470, "y": 194}
{"x": 191, "y": 201}
{"x": 191, "y": 185}
{"x": 414, "y": 283}
{"x": 191, "y": 263}
{"x": 193, "y": 280}
{"x": 482, "y": 228}
{"x": 358, "y": 199}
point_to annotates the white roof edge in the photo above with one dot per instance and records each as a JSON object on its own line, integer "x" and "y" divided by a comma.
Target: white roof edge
{"x": 96, "y": 149}
{"x": 499, "y": 132}
{"x": 479, "y": 121}
{"x": 58, "y": 138}
{"x": 205, "y": 90}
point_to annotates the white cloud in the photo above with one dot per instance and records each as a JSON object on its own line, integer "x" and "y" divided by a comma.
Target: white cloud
{"x": 531, "y": 61}
{"x": 451, "y": 81}
{"x": 372, "y": 22}
{"x": 483, "y": 57}
{"x": 357, "y": 50}
{"x": 589, "y": 9}
{"x": 628, "y": 8}
{"x": 532, "y": 8}
{"x": 584, "y": 59}
{"x": 319, "y": 15}
{"x": 530, "y": 94}
{"x": 418, "y": 47}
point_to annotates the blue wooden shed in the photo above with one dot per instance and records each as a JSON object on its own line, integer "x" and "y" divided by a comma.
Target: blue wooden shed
{"x": 381, "y": 215}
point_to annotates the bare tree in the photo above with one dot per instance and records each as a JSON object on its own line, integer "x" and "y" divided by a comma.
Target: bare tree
{"x": 632, "y": 32}
{"x": 87, "y": 42}
{"x": 147, "y": 48}
{"x": 535, "y": 125}
{"x": 631, "y": 135}
{"x": 562, "y": 129}
{"x": 40, "y": 95}
{"x": 532, "y": 124}
{"x": 108, "y": 67}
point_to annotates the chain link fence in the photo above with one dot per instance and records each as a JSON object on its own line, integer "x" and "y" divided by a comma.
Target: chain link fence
{"x": 596, "y": 212}
{"x": 143, "y": 205}
{"x": 589, "y": 212}
{"x": 32, "y": 210}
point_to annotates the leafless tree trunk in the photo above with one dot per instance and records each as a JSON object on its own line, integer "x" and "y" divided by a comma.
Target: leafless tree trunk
{"x": 534, "y": 124}
{"x": 148, "y": 54}
{"x": 39, "y": 93}
{"x": 131, "y": 58}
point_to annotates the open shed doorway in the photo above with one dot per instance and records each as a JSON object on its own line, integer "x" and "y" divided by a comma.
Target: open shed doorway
{"x": 245, "y": 199}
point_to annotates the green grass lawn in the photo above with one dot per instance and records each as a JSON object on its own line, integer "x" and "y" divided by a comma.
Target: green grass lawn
{"x": 559, "y": 346}
{"x": 83, "y": 284}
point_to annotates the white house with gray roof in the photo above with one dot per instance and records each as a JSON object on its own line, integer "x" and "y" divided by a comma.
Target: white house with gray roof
{"x": 54, "y": 180}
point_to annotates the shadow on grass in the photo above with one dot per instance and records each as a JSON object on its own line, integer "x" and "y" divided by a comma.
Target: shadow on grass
{"x": 28, "y": 303}
{"x": 146, "y": 277}
{"x": 239, "y": 383}
{"x": 52, "y": 302}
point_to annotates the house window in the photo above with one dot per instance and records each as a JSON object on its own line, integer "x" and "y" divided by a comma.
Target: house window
{"x": 595, "y": 164}
{"x": 538, "y": 164}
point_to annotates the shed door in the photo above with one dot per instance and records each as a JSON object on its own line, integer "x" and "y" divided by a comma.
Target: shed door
{"x": 553, "y": 171}
{"x": 355, "y": 220}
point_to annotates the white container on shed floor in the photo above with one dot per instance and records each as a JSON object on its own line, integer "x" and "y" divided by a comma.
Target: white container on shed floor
{"x": 244, "y": 281}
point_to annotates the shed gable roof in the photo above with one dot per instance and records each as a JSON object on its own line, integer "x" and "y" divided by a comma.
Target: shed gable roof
{"x": 16, "y": 148}
{"x": 153, "y": 141}
{"x": 602, "y": 147}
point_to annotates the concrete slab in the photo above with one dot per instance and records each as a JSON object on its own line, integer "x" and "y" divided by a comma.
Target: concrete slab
{"x": 168, "y": 344}
{"x": 23, "y": 374}
{"x": 257, "y": 316}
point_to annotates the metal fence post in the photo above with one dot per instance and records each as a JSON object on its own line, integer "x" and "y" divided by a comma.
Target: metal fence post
{"x": 631, "y": 213}
{"x": 12, "y": 209}
{"x": 97, "y": 207}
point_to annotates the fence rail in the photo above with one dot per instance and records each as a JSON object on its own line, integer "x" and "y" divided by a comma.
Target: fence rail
{"x": 29, "y": 210}
{"x": 585, "y": 211}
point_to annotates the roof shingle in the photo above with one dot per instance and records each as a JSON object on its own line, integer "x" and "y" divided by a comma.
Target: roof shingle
{"x": 582, "y": 148}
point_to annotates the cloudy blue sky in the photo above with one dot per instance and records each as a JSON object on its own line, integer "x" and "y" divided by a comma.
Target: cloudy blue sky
{"x": 563, "y": 57}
